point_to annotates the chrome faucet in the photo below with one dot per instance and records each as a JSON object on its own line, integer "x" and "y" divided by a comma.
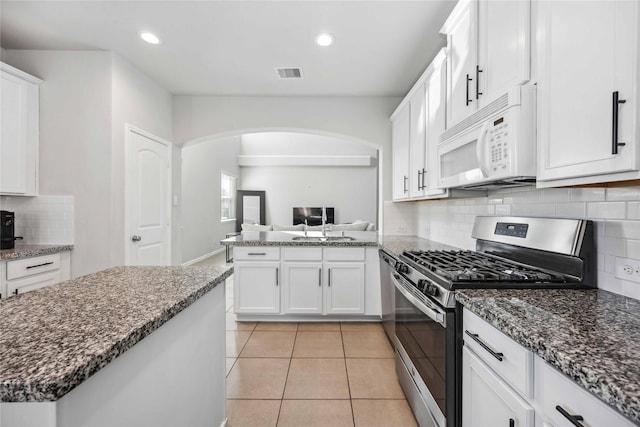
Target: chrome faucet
{"x": 324, "y": 221}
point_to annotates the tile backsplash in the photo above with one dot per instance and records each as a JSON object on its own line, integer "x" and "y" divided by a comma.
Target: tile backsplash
{"x": 615, "y": 211}
{"x": 42, "y": 219}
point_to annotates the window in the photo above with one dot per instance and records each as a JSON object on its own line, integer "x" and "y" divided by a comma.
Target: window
{"x": 227, "y": 197}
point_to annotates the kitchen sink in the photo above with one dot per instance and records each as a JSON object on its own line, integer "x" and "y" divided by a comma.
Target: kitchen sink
{"x": 324, "y": 238}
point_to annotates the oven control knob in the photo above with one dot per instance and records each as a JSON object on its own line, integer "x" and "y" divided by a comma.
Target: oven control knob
{"x": 402, "y": 268}
{"x": 431, "y": 290}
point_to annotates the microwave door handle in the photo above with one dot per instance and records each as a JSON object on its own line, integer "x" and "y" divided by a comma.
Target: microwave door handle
{"x": 481, "y": 151}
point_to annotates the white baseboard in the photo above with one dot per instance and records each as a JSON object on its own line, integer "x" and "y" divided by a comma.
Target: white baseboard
{"x": 203, "y": 257}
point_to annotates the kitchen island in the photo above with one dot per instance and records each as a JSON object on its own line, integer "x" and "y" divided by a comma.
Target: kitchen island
{"x": 298, "y": 276}
{"x": 127, "y": 346}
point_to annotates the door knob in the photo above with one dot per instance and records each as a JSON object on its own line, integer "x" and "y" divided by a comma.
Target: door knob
{"x": 135, "y": 238}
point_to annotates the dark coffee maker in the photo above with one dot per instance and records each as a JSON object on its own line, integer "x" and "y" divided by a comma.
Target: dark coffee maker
{"x": 7, "y": 230}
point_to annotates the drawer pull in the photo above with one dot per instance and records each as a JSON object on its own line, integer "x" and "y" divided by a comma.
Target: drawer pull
{"x": 39, "y": 265}
{"x": 512, "y": 422}
{"x": 574, "y": 419}
{"x": 15, "y": 292}
{"x": 477, "y": 339}
{"x": 257, "y": 253}
{"x": 277, "y": 277}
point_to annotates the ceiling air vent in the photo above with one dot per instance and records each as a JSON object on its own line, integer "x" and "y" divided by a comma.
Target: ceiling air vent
{"x": 289, "y": 73}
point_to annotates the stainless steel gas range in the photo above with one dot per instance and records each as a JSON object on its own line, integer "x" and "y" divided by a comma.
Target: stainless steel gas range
{"x": 511, "y": 252}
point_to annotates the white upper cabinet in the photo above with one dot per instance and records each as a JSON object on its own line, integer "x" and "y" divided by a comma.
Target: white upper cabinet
{"x": 418, "y": 142}
{"x": 489, "y": 44}
{"x": 587, "y": 55}
{"x": 19, "y": 122}
{"x": 435, "y": 108}
{"x": 400, "y": 124}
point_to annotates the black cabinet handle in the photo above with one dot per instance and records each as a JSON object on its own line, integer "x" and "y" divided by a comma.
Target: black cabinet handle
{"x": 477, "y": 339}
{"x": 257, "y": 253}
{"x": 424, "y": 172}
{"x": 39, "y": 265}
{"x": 478, "y": 71}
{"x": 277, "y": 277}
{"x": 574, "y": 419}
{"x": 404, "y": 184}
{"x": 329, "y": 281}
{"x": 467, "y": 100}
{"x": 319, "y": 277}
{"x": 512, "y": 422}
{"x": 15, "y": 292}
{"x": 419, "y": 180}
{"x": 614, "y": 123}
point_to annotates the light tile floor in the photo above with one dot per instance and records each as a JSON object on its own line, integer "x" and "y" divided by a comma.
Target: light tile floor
{"x": 310, "y": 374}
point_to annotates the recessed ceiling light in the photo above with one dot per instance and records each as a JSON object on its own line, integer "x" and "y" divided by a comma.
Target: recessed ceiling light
{"x": 150, "y": 38}
{"x": 324, "y": 39}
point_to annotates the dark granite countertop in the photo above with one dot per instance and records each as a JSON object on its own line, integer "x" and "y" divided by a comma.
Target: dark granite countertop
{"x": 26, "y": 251}
{"x": 291, "y": 238}
{"x": 592, "y": 336}
{"x": 52, "y": 339}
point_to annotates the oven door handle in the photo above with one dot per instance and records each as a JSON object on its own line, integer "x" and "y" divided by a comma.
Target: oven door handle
{"x": 433, "y": 314}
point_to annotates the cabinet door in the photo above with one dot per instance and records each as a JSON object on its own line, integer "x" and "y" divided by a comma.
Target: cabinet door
{"x": 256, "y": 287}
{"x": 436, "y": 86}
{"x": 487, "y": 401}
{"x": 586, "y": 51}
{"x": 31, "y": 283}
{"x": 418, "y": 140}
{"x": 19, "y": 132}
{"x": 461, "y": 31}
{"x": 504, "y": 48}
{"x": 302, "y": 287}
{"x": 400, "y": 152}
{"x": 344, "y": 291}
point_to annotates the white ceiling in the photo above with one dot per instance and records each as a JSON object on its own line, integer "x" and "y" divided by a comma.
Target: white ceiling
{"x": 233, "y": 47}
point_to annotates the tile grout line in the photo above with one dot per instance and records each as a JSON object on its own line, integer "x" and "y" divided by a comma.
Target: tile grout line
{"x": 287, "y": 376}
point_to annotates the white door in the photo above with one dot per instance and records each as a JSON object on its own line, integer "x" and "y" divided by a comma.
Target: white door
{"x": 417, "y": 138}
{"x": 586, "y": 53}
{"x": 400, "y": 138}
{"x": 344, "y": 292}
{"x": 302, "y": 287}
{"x": 487, "y": 401}
{"x": 148, "y": 199}
{"x": 461, "y": 31}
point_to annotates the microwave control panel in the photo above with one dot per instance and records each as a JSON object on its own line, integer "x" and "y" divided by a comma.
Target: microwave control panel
{"x": 498, "y": 145}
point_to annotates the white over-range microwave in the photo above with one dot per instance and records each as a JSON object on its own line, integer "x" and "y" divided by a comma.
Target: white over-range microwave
{"x": 494, "y": 147}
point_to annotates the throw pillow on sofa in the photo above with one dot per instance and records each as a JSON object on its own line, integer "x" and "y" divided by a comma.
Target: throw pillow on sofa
{"x": 256, "y": 227}
{"x": 297, "y": 227}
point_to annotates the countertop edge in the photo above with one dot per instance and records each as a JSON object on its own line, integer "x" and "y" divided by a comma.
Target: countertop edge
{"x": 32, "y": 250}
{"x": 571, "y": 368}
{"x": 52, "y": 391}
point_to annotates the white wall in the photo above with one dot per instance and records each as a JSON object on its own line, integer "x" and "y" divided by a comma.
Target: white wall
{"x": 616, "y": 212}
{"x": 85, "y": 99}
{"x": 202, "y": 165}
{"x": 363, "y": 118}
{"x": 139, "y": 101}
{"x": 75, "y": 143}
{"x": 352, "y": 190}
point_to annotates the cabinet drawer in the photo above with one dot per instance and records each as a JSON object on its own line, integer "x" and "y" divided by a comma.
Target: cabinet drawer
{"x": 264, "y": 253}
{"x": 29, "y": 266}
{"x": 30, "y": 283}
{"x": 301, "y": 254}
{"x": 344, "y": 254}
{"x": 516, "y": 366}
{"x": 556, "y": 390}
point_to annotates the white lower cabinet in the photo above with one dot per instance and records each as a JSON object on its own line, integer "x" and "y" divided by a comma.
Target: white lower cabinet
{"x": 345, "y": 288}
{"x": 306, "y": 281}
{"x": 256, "y": 287}
{"x": 521, "y": 389}
{"x": 28, "y": 274}
{"x": 487, "y": 400}
{"x": 302, "y": 287}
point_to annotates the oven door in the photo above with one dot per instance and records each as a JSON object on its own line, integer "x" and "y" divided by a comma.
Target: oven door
{"x": 425, "y": 341}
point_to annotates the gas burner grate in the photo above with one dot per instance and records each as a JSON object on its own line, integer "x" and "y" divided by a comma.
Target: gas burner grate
{"x": 470, "y": 266}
